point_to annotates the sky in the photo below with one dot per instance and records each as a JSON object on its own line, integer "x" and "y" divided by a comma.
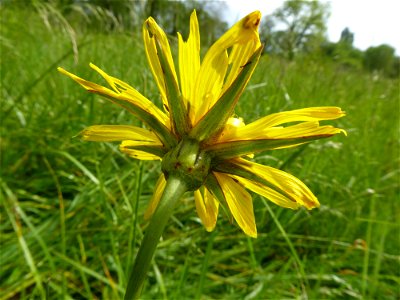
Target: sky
{"x": 373, "y": 22}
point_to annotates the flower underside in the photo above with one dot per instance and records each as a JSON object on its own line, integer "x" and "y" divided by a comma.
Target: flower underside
{"x": 196, "y": 134}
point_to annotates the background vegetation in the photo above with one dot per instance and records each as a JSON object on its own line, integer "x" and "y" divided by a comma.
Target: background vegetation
{"x": 71, "y": 214}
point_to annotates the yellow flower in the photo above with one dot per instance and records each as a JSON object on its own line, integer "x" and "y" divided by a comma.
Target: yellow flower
{"x": 196, "y": 136}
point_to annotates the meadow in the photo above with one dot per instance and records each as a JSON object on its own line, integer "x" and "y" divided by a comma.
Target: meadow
{"x": 71, "y": 214}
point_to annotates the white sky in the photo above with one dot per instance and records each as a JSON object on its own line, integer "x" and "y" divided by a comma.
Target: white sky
{"x": 373, "y": 22}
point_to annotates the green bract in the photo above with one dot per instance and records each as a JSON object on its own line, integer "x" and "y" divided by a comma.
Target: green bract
{"x": 188, "y": 162}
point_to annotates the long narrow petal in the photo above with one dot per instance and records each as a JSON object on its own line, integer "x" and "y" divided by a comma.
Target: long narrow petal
{"x": 300, "y": 115}
{"x": 289, "y": 187}
{"x": 208, "y": 86}
{"x": 89, "y": 86}
{"x": 214, "y": 188}
{"x": 111, "y": 133}
{"x": 239, "y": 202}
{"x": 207, "y": 208}
{"x": 244, "y": 39}
{"x": 141, "y": 150}
{"x": 155, "y": 199}
{"x": 122, "y": 91}
{"x": 266, "y": 126}
{"x": 189, "y": 59}
{"x": 138, "y": 154}
{"x": 152, "y": 34}
{"x": 126, "y": 92}
{"x": 302, "y": 130}
{"x": 117, "y": 85}
{"x": 131, "y": 100}
{"x": 269, "y": 193}
{"x": 137, "y": 142}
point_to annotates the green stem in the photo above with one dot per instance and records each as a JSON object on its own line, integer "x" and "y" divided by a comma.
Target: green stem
{"x": 173, "y": 191}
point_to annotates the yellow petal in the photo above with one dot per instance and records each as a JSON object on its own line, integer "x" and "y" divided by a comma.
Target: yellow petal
{"x": 152, "y": 34}
{"x": 121, "y": 91}
{"x": 230, "y": 129}
{"x": 128, "y": 93}
{"x": 117, "y": 85}
{"x": 300, "y": 115}
{"x": 111, "y": 133}
{"x": 207, "y": 208}
{"x": 155, "y": 199}
{"x": 126, "y": 147}
{"x": 239, "y": 202}
{"x": 244, "y": 39}
{"x": 89, "y": 86}
{"x": 242, "y": 32}
{"x": 302, "y": 130}
{"x": 268, "y": 193}
{"x": 208, "y": 86}
{"x": 267, "y": 127}
{"x": 291, "y": 188}
{"x": 238, "y": 57}
{"x": 189, "y": 59}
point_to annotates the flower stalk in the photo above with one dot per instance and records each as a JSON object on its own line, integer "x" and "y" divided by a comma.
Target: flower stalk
{"x": 173, "y": 191}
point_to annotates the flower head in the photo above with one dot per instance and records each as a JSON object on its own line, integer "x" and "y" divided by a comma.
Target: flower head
{"x": 196, "y": 136}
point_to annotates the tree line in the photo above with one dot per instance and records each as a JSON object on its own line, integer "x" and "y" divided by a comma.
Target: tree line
{"x": 298, "y": 28}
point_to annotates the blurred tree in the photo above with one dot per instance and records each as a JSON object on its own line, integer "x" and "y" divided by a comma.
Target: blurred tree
{"x": 345, "y": 53}
{"x": 347, "y": 37}
{"x": 396, "y": 68}
{"x": 295, "y": 27}
{"x": 380, "y": 58}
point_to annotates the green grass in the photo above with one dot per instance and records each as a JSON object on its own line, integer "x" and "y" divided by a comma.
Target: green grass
{"x": 72, "y": 211}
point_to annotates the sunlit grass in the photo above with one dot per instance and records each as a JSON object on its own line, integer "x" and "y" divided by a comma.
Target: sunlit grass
{"x": 71, "y": 211}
